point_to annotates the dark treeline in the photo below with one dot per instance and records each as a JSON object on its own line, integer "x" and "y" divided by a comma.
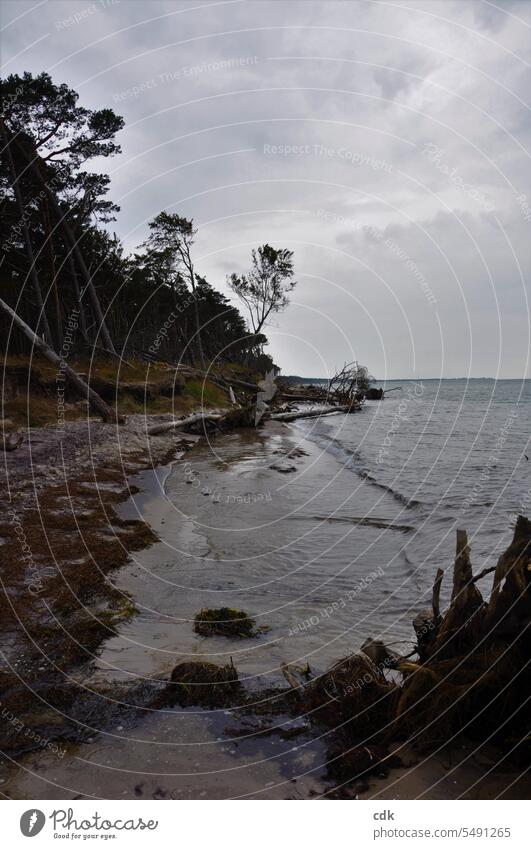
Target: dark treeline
{"x": 61, "y": 266}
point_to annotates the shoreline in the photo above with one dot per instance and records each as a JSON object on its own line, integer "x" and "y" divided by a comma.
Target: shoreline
{"x": 146, "y": 499}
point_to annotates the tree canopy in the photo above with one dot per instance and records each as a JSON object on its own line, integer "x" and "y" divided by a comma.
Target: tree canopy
{"x": 265, "y": 288}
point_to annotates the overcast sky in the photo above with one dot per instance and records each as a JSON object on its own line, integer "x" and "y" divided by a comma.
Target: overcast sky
{"x": 386, "y": 143}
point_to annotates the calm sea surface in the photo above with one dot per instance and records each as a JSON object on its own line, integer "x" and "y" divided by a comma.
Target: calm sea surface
{"x": 452, "y": 451}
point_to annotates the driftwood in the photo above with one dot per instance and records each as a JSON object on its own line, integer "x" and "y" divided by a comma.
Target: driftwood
{"x": 509, "y": 604}
{"x": 473, "y": 671}
{"x": 307, "y": 414}
{"x": 321, "y": 397}
{"x": 350, "y": 382}
{"x": 380, "y": 654}
{"x": 182, "y": 424}
{"x": 290, "y": 678}
{"x": 241, "y": 417}
{"x": 459, "y": 624}
{"x": 483, "y": 572}
{"x": 243, "y": 384}
{"x": 96, "y": 403}
{"x": 469, "y": 619}
{"x": 436, "y": 594}
{"x": 472, "y": 677}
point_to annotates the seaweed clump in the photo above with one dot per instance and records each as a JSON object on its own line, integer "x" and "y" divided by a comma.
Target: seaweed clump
{"x": 224, "y": 622}
{"x": 204, "y": 684}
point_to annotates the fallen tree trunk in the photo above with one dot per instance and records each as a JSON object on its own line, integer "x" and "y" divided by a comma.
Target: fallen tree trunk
{"x": 290, "y": 396}
{"x": 184, "y": 422}
{"x": 243, "y": 384}
{"x": 309, "y": 414}
{"x": 242, "y": 417}
{"x": 96, "y": 403}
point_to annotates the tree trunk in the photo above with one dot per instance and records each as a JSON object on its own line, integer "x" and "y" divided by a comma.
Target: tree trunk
{"x": 79, "y": 302}
{"x": 197, "y": 321}
{"x": 29, "y": 249}
{"x": 73, "y": 245}
{"x": 53, "y": 275}
{"x": 97, "y": 403}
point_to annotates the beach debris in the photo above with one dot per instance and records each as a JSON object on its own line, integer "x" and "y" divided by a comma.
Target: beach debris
{"x": 283, "y": 468}
{"x": 268, "y": 390}
{"x": 293, "y": 682}
{"x": 378, "y": 652}
{"x": 184, "y": 422}
{"x": 374, "y": 393}
{"x": 297, "y": 452}
{"x": 353, "y": 691}
{"x": 224, "y": 622}
{"x": 350, "y": 383}
{"x": 11, "y": 442}
{"x": 473, "y": 660}
{"x": 202, "y": 683}
{"x": 356, "y": 762}
{"x": 314, "y": 412}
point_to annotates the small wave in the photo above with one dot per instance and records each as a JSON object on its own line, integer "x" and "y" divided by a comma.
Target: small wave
{"x": 352, "y": 459}
{"x": 403, "y": 499}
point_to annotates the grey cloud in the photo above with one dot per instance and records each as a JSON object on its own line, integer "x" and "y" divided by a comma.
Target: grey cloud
{"x": 357, "y": 91}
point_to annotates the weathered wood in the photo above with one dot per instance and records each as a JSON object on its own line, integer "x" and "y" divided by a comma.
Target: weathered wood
{"x": 243, "y": 384}
{"x": 482, "y": 574}
{"x": 268, "y": 390}
{"x": 462, "y": 565}
{"x": 290, "y": 396}
{"x": 96, "y": 403}
{"x": 290, "y": 678}
{"x": 380, "y": 654}
{"x": 510, "y": 595}
{"x": 461, "y": 624}
{"x": 436, "y": 594}
{"x": 307, "y": 414}
{"x": 184, "y": 422}
{"x": 243, "y": 417}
